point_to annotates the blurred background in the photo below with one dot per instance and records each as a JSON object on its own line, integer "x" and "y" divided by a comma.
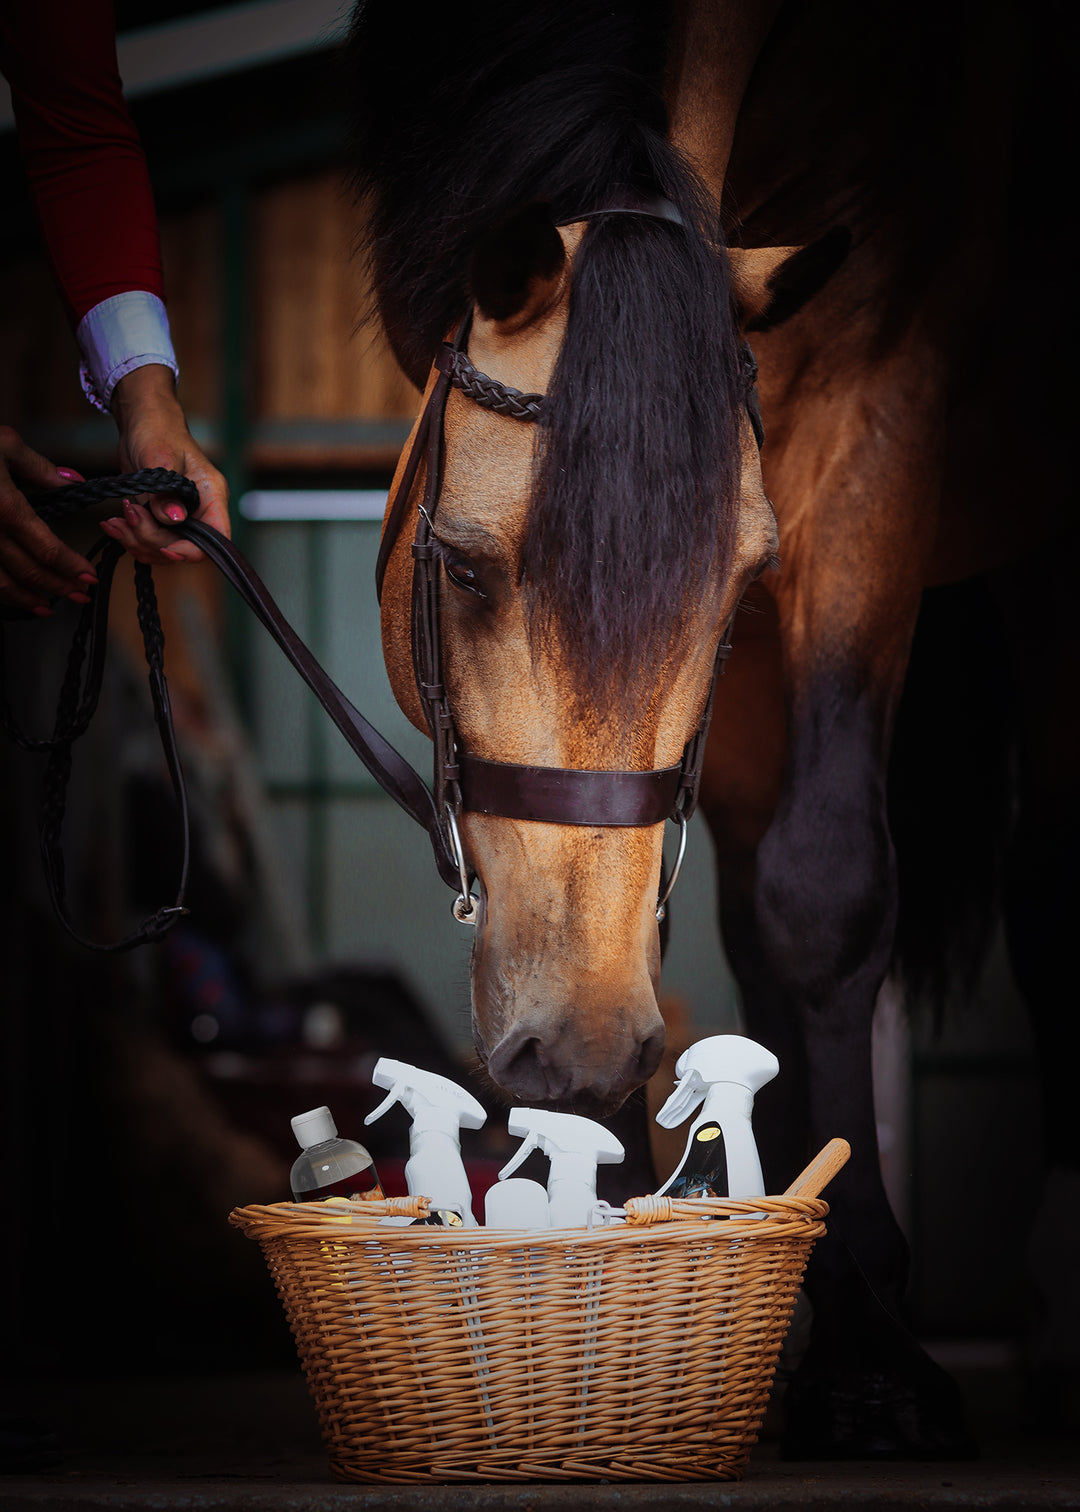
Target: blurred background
{"x": 146, "y": 1095}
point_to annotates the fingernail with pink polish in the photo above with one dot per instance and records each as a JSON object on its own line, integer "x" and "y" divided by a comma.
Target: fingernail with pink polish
{"x": 176, "y": 514}
{"x": 69, "y": 475}
{"x": 130, "y": 512}
{"x": 79, "y": 598}
{"x": 88, "y": 577}
{"x": 42, "y": 612}
{"x": 173, "y": 556}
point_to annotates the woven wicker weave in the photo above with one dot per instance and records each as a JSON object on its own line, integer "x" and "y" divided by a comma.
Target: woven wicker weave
{"x": 642, "y": 1351}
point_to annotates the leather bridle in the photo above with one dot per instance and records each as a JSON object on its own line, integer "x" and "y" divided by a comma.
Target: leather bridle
{"x": 462, "y": 781}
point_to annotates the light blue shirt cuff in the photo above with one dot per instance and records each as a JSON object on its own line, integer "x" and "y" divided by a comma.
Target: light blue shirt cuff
{"x": 119, "y": 335}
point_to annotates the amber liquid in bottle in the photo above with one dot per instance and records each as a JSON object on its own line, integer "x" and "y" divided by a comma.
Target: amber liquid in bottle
{"x": 335, "y": 1168}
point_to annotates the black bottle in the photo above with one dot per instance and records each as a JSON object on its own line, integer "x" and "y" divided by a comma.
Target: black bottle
{"x": 703, "y": 1172}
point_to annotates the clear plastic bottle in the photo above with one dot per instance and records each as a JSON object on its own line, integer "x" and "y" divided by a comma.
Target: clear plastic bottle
{"x": 330, "y": 1166}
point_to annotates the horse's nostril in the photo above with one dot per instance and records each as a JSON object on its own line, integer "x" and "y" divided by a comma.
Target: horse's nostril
{"x": 517, "y": 1066}
{"x": 650, "y": 1055}
{"x": 534, "y": 1069}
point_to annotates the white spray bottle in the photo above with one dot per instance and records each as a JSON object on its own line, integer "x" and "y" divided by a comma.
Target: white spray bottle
{"x": 722, "y": 1074}
{"x": 575, "y": 1146}
{"x": 440, "y": 1109}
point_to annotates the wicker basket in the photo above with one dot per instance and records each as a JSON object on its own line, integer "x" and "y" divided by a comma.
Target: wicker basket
{"x": 641, "y": 1351}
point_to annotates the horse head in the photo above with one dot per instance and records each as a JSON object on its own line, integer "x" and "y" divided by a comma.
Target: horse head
{"x": 587, "y": 566}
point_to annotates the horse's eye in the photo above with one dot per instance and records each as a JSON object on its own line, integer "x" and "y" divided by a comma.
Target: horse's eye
{"x": 748, "y": 364}
{"x": 461, "y": 572}
{"x": 771, "y": 563}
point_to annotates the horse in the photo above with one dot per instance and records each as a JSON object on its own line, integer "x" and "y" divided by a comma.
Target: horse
{"x": 596, "y": 212}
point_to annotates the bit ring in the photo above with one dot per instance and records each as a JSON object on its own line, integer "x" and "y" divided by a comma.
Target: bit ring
{"x": 465, "y": 906}
{"x": 661, "y": 906}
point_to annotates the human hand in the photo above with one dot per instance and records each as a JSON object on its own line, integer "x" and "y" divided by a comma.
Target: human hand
{"x": 154, "y": 433}
{"x": 35, "y": 565}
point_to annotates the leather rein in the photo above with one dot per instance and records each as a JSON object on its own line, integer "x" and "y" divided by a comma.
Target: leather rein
{"x": 462, "y": 781}
{"x": 81, "y": 689}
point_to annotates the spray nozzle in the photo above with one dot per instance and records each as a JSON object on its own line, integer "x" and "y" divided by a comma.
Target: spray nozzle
{"x": 524, "y": 1150}
{"x": 720, "y": 1058}
{"x": 574, "y": 1146}
{"x": 560, "y": 1134}
{"x": 689, "y": 1092}
{"x": 439, "y": 1109}
{"x": 426, "y": 1096}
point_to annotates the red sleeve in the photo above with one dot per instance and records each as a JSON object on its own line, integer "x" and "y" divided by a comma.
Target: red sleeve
{"x": 82, "y": 153}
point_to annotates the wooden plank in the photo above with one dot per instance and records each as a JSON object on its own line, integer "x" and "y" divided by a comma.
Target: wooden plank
{"x": 191, "y": 255}
{"x": 310, "y": 292}
{"x": 38, "y": 357}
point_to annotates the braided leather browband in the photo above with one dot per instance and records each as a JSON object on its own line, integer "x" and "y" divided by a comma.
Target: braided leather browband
{"x": 489, "y": 393}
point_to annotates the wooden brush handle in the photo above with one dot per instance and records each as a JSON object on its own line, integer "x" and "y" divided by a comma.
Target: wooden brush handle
{"x": 821, "y": 1170}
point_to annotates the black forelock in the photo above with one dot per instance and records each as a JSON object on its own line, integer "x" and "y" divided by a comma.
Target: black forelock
{"x": 463, "y": 115}
{"x": 636, "y": 493}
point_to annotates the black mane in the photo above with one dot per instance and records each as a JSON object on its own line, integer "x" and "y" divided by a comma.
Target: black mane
{"x": 463, "y": 118}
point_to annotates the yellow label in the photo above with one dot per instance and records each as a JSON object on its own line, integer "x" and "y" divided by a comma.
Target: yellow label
{"x": 335, "y": 1253}
{"x": 710, "y": 1132}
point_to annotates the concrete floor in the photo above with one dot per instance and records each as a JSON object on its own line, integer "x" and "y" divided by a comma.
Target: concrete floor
{"x": 251, "y": 1442}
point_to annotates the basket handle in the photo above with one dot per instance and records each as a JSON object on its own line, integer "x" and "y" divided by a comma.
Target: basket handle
{"x": 821, "y": 1170}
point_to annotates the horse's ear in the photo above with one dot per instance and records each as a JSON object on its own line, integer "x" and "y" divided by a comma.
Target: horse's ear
{"x": 517, "y": 268}
{"x": 771, "y": 284}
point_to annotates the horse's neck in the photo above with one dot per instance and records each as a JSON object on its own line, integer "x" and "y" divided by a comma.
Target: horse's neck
{"x": 714, "y": 45}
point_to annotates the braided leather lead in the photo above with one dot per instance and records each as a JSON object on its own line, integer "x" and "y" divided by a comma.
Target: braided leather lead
{"x": 60, "y": 503}
{"x": 79, "y": 692}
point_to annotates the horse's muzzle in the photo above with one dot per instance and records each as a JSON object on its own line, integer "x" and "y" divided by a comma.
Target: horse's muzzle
{"x": 570, "y": 1070}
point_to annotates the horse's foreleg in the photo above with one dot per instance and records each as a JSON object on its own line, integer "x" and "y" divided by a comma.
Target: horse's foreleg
{"x": 857, "y": 481}
{"x": 807, "y": 894}
{"x": 807, "y": 904}
{"x": 825, "y": 895}
{"x": 825, "y": 911}
{"x": 742, "y": 778}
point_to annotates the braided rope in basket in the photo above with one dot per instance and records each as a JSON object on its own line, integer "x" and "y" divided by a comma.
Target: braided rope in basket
{"x": 637, "y": 1351}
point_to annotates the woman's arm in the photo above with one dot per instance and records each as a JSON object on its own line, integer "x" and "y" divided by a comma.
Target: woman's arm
{"x": 94, "y": 202}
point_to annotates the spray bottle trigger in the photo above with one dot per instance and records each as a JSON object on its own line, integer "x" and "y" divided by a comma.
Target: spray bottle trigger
{"x": 688, "y": 1093}
{"x": 524, "y": 1150}
{"x": 388, "y": 1102}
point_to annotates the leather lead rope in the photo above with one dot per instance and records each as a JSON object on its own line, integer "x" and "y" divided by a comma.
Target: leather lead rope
{"x": 81, "y": 690}
{"x": 388, "y": 767}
